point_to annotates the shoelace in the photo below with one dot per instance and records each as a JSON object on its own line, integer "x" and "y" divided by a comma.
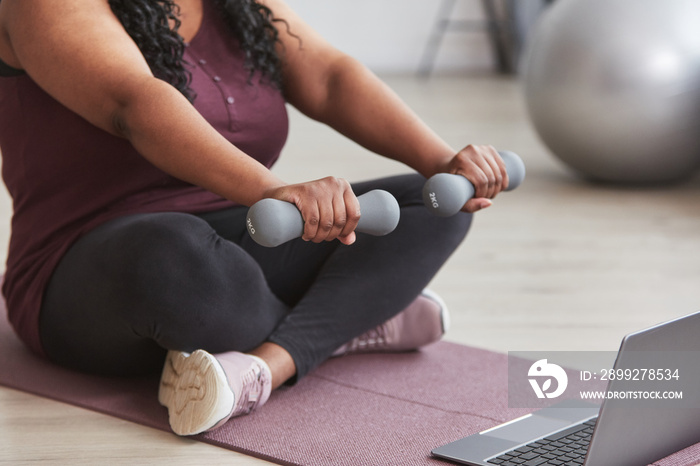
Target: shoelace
{"x": 372, "y": 339}
{"x": 253, "y": 385}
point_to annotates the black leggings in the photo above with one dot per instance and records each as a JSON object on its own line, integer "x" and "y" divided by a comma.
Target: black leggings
{"x": 142, "y": 284}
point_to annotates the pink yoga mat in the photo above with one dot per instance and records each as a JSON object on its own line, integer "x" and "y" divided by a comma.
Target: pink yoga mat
{"x": 355, "y": 410}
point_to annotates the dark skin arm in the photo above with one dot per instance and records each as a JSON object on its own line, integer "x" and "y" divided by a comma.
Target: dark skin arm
{"x": 331, "y": 87}
{"x": 81, "y": 55}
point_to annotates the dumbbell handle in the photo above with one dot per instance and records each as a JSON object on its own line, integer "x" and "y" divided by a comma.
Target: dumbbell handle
{"x": 445, "y": 194}
{"x": 271, "y": 222}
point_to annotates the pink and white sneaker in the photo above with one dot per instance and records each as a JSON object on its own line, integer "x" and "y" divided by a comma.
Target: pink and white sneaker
{"x": 202, "y": 391}
{"x": 424, "y": 321}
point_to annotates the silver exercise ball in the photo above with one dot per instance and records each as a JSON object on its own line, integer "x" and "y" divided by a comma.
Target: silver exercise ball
{"x": 613, "y": 87}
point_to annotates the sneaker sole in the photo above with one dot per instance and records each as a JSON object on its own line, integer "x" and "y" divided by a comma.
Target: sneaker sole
{"x": 444, "y": 312}
{"x": 196, "y": 392}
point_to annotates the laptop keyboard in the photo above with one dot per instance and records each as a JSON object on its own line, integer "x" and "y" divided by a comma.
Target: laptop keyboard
{"x": 564, "y": 448}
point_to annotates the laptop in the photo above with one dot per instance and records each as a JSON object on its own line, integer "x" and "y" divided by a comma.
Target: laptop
{"x": 620, "y": 432}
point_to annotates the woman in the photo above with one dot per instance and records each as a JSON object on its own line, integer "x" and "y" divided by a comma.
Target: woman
{"x": 134, "y": 134}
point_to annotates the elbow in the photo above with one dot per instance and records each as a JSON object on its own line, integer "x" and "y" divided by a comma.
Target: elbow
{"x": 347, "y": 80}
{"x": 138, "y": 105}
{"x": 120, "y": 110}
{"x": 344, "y": 72}
{"x": 118, "y": 124}
{"x": 320, "y": 97}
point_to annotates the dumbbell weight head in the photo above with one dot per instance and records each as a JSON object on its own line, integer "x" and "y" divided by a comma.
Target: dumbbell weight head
{"x": 515, "y": 167}
{"x": 271, "y": 222}
{"x": 379, "y": 213}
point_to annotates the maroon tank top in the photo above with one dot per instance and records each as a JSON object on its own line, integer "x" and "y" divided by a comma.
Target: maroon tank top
{"x": 67, "y": 176}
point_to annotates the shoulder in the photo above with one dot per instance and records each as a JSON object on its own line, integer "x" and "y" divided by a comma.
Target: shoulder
{"x": 42, "y": 22}
{"x": 77, "y": 51}
{"x": 7, "y": 55}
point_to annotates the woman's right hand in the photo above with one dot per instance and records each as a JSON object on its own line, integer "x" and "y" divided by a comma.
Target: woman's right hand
{"x": 328, "y": 206}
{"x": 484, "y": 168}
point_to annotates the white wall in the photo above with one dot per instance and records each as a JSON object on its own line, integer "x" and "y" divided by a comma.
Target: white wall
{"x": 391, "y": 35}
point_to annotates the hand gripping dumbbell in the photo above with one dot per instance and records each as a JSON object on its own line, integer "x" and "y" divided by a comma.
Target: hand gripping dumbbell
{"x": 445, "y": 194}
{"x": 271, "y": 222}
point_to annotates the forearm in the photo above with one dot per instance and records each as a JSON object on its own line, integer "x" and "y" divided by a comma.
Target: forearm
{"x": 363, "y": 108}
{"x": 166, "y": 129}
{"x": 81, "y": 55}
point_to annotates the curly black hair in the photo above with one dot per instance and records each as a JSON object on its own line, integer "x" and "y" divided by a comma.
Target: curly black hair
{"x": 148, "y": 22}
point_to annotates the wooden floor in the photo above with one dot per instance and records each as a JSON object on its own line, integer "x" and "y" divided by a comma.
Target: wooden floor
{"x": 559, "y": 264}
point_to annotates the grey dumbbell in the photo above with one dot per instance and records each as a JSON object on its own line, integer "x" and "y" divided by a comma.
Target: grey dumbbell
{"x": 271, "y": 222}
{"x": 445, "y": 194}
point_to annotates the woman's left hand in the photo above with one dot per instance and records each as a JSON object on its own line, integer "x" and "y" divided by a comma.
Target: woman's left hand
{"x": 484, "y": 168}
